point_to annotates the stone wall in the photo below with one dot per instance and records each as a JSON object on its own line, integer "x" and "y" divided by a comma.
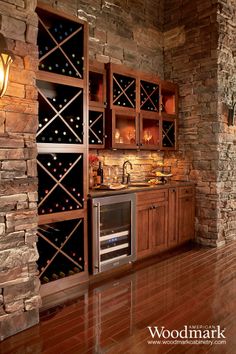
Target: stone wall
{"x": 191, "y": 35}
{"x": 19, "y": 285}
{"x": 226, "y": 18}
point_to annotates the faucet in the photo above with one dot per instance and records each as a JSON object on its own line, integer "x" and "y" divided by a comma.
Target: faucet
{"x": 127, "y": 174}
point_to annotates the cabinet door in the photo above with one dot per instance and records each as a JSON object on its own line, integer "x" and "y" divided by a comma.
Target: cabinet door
{"x": 173, "y": 217}
{"x": 186, "y": 218}
{"x": 159, "y": 226}
{"x": 143, "y": 231}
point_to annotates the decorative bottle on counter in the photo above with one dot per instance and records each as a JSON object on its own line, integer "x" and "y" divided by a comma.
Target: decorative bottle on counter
{"x": 100, "y": 172}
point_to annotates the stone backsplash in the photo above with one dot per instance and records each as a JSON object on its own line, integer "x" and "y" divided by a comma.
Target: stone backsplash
{"x": 143, "y": 162}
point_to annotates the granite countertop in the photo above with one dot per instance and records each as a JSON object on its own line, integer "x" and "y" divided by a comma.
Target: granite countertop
{"x": 93, "y": 193}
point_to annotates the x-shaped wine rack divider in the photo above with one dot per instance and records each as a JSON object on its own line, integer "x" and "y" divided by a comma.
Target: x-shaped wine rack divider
{"x": 166, "y": 133}
{"x": 90, "y": 126}
{"x": 58, "y": 113}
{"x": 59, "y": 249}
{"x": 149, "y": 96}
{"x": 58, "y": 183}
{"x": 123, "y": 90}
{"x": 58, "y": 46}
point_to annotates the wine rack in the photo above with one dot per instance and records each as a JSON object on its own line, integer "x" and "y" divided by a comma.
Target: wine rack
{"x": 168, "y": 134}
{"x": 149, "y": 96}
{"x": 96, "y": 128}
{"x": 60, "y": 44}
{"x": 60, "y": 182}
{"x": 62, "y": 145}
{"x": 60, "y": 114}
{"x": 124, "y": 91}
{"x": 60, "y": 246}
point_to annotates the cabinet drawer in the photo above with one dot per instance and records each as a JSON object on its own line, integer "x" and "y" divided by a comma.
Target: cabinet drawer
{"x": 152, "y": 196}
{"x": 185, "y": 191}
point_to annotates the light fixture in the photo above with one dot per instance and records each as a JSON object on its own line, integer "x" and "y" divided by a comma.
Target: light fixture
{"x": 231, "y": 113}
{"x": 6, "y": 58}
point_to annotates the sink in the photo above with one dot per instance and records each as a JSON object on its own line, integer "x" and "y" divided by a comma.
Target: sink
{"x": 139, "y": 184}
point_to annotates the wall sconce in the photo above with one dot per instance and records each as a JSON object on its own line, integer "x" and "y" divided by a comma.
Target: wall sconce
{"x": 6, "y": 58}
{"x": 231, "y": 113}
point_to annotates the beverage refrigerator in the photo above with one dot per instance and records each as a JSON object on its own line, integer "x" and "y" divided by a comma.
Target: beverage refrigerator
{"x": 112, "y": 231}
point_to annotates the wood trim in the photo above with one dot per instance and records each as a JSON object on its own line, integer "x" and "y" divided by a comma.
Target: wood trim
{"x": 61, "y": 216}
{"x": 62, "y": 284}
{"x": 60, "y": 79}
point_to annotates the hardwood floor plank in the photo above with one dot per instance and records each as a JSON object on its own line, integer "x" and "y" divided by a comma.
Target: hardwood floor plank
{"x": 197, "y": 287}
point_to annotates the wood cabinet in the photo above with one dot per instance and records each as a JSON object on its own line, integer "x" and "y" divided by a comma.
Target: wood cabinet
{"x": 62, "y": 145}
{"x": 186, "y": 212}
{"x": 173, "y": 217}
{"x": 97, "y": 104}
{"x": 165, "y": 218}
{"x": 152, "y": 211}
{"x": 142, "y": 110}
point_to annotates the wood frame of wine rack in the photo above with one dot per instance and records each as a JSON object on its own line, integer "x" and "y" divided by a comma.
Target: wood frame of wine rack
{"x": 45, "y": 79}
{"x": 162, "y": 110}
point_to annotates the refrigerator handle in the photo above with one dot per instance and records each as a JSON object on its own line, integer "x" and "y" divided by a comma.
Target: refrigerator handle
{"x": 97, "y": 266}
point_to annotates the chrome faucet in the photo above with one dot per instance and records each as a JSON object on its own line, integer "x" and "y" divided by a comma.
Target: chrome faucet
{"x": 127, "y": 174}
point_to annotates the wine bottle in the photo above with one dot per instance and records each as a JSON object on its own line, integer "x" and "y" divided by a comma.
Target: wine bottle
{"x": 46, "y": 279}
{"x": 55, "y": 276}
{"x": 100, "y": 172}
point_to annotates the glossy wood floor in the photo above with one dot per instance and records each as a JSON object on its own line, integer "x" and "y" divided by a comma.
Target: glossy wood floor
{"x": 196, "y": 287}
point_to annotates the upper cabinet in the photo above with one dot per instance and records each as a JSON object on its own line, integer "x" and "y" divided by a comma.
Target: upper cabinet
{"x": 142, "y": 110}
{"x": 97, "y": 104}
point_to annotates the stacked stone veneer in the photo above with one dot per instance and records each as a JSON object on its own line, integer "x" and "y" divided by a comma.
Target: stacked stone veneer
{"x": 198, "y": 54}
{"x": 226, "y": 18}
{"x": 19, "y": 285}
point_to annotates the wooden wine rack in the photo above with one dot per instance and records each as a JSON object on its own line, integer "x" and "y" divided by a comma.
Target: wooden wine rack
{"x": 62, "y": 145}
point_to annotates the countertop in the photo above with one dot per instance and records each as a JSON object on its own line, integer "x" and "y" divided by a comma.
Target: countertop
{"x": 95, "y": 193}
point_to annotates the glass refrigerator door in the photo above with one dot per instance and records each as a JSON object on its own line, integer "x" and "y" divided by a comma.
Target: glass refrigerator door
{"x": 115, "y": 231}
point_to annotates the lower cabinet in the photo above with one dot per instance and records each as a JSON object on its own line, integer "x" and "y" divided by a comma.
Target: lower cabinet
{"x": 165, "y": 218}
{"x": 152, "y": 214}
{"x": 186, "y": 213}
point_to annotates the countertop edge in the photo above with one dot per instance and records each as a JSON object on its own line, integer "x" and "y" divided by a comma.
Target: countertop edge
{"x": 103, "y": 193}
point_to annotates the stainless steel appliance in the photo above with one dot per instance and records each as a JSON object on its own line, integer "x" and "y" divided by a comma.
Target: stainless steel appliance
{"x": 113, "y": 231}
